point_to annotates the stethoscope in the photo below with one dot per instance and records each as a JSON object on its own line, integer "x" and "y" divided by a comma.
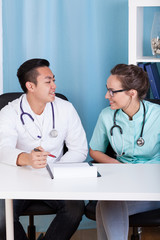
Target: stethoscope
{"x": 140, "y": 141}
{"x": 53, "y": 133}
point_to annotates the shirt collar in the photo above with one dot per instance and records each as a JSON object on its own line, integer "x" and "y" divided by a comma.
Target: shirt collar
{"x": 137, "y": 115}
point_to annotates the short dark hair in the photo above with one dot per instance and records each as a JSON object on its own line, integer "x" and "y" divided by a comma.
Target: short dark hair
{"x": 27, "y": 72}
{"x": 132, "y": 77}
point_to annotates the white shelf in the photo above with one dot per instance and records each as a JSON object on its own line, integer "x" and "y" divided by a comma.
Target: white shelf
{"x": 135, "y": 51}
{"x": 148, "y": 59}
{"x": 145, "y": 3}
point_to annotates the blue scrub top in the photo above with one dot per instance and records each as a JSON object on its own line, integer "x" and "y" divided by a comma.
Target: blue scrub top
{"x": 148, "y": 153}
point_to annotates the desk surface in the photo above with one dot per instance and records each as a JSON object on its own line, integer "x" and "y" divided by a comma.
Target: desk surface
{"x": 118, "y": 182}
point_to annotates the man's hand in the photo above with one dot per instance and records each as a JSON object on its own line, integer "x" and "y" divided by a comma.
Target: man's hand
{"x": 36, "y": 159}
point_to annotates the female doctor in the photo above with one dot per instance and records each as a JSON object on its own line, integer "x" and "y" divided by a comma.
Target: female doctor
{"x": 39, "y": 120}
{"x": 132, "y": 126}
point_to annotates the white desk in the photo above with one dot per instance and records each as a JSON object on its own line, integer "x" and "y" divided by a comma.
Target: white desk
{"x": 118, "y": 182}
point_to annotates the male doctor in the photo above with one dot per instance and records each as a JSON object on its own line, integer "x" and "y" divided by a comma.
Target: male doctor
{"x": 40, "y": 120}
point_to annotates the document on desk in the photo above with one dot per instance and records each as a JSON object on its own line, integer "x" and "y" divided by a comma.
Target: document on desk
{"x": 73, "y": 170}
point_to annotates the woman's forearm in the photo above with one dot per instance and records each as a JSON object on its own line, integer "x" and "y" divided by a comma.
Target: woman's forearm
{"x": 101, "y": 157}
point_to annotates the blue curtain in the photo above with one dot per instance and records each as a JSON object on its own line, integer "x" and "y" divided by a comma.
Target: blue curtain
{"x": 82, "y": 39}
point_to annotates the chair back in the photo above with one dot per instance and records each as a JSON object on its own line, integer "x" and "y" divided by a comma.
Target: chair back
{"x": 157, "y": 101}
{"x": 5, "y": 98}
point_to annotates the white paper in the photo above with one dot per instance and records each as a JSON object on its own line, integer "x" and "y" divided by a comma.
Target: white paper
{"x": 73, "y": 170}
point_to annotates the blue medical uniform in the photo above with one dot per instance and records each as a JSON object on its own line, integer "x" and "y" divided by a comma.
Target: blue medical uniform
{"x": 148, "y": 153}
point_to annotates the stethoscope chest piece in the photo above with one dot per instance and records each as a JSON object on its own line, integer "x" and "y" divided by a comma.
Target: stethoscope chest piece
{"x": 54, "y": 133}
{"x": 140, "y": 141}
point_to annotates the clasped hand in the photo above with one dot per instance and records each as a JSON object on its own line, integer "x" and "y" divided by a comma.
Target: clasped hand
{"x": 38, "y": 159}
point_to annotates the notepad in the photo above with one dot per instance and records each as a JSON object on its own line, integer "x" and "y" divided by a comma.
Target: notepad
{"x": 73, "y": 170}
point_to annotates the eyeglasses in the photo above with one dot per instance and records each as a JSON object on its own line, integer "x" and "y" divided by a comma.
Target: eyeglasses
{"x": 111, "y": 92}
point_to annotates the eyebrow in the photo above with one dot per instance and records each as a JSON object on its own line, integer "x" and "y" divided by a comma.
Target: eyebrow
{"x": 112, "y": 89}
{"x": 109, "y": 88}
{"x": 48, "y": 77}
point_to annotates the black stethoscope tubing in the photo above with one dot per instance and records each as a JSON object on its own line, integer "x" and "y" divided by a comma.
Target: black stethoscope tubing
{"x": 140, "y": 141}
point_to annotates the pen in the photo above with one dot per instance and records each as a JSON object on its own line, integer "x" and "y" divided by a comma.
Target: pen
{"x": 47, "y": 166}
{"x": 51, "y": 155}
{"x": 49, "y": 171}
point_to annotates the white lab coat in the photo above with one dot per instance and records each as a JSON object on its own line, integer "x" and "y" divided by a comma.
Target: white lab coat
{"x": 16, "y": 138}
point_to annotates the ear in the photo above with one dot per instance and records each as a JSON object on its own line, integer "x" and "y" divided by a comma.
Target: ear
{"x": 30, "y": 86}
{"x": 132, "y": 93}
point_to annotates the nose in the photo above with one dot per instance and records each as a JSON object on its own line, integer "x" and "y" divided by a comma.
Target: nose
{"x": 53, "y": 85}
{"x": 107, "y": 95}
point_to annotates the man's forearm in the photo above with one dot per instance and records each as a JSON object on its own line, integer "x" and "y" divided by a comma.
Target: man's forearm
{"x": 22, "y": 159}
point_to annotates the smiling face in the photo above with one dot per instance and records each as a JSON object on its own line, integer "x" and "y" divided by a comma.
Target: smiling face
{"x": 44, "y": 89}
{"x": 119, "y": 100}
